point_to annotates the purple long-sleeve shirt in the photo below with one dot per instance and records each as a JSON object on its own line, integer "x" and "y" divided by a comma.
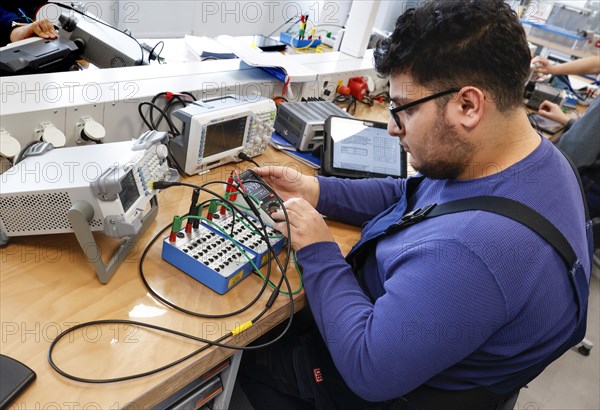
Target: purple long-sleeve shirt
{"x": 454, "y": 302}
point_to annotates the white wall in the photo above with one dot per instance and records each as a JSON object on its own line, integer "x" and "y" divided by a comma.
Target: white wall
{"x": 175, "y": 18}
{"x": 390, "y": 10}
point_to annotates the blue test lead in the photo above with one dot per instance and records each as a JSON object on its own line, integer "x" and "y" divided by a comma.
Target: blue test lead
{"x": 27, "y": 19}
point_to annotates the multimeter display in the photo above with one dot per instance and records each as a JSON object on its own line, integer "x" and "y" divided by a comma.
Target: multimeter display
{"x": 268, "y": 201}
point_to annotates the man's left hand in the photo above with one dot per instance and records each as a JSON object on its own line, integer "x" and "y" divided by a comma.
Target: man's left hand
{"x": 306, "y": 224}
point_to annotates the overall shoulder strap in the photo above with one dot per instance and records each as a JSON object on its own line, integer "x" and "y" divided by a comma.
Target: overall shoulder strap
{"x": 536, "y": 222}
{"x": 516, "y": 211}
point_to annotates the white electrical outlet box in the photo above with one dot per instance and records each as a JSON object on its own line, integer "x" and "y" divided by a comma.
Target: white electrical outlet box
{"x": 359, "y": 26}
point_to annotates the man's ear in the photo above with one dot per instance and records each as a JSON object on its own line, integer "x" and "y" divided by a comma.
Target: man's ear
{"x": 469, "y": 107}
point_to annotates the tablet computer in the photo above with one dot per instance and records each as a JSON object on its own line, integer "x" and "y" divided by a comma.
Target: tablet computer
{"x": 354, "y": 148}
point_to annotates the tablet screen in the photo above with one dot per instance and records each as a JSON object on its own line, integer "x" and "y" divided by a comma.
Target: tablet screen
{"x": 364, "y": 148}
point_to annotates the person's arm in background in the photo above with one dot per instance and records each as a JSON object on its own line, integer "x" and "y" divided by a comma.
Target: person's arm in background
{"x": 554, "y": 112}
{"x": 587, "y": 65}
{"x": 6, "y": 20}
{"x": 41, "y": 28}
{"x": 582, "y": 141}
{"x": 9, "y": 33}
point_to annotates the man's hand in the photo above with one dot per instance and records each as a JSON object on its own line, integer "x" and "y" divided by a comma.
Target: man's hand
{"x": 41, "y": 28}
{"x": 289, "y": 183}
{"x": 550, "y": 110}
{"x": 306, "y": 224}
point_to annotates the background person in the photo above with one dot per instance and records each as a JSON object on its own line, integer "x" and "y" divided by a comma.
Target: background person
{"x": 580, "y": 140}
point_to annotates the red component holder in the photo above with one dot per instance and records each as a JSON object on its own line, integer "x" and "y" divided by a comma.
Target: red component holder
{"x": 358, "y": 87}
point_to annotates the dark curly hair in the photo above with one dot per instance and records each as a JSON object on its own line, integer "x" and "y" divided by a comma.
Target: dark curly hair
{"x": 449, "y": 43}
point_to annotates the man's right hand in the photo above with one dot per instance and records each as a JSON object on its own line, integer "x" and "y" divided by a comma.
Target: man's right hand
{"x": 290, "y": 183}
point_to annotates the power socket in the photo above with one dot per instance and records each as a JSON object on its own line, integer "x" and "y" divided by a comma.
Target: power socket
{"x": 74, "y": 121}
{"x": 25, "y": 127}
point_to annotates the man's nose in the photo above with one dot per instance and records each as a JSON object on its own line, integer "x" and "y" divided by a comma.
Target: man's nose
{"x": 393, "y": 129}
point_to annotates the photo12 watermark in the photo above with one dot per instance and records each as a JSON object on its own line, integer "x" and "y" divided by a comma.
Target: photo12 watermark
{"x": 47, "y": 332}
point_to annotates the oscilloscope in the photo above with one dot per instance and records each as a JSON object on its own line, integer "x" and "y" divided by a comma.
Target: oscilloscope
{"x": 215, "y": 131}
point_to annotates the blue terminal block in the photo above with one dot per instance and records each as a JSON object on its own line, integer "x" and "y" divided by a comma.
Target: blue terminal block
{"x": 247, "y": 237}
{"x": 208, "y": 257}
{"x": 297, "y": 42}
{"x": 212, "y": 257}
{"x": 569, "y": 100}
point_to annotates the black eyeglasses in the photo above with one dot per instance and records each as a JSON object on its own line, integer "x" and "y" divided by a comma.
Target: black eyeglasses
{"x": 394, "y": 111}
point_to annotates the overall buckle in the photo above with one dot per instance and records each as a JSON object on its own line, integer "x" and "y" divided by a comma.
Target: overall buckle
{"x": 416, "y": 215}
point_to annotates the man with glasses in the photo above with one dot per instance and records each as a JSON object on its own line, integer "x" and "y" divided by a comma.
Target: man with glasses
{"x": 446, "y": 312}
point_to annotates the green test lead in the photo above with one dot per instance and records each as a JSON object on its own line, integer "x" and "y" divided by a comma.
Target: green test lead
{"x": 212, "y": 209}
{"x": 175, "y": 228}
